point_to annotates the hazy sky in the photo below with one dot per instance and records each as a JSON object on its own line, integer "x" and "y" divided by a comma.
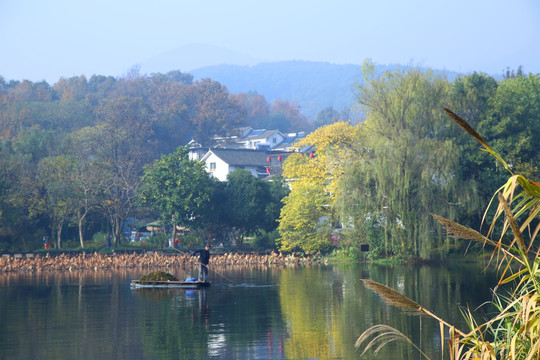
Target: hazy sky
{"x": 47, "y": 39}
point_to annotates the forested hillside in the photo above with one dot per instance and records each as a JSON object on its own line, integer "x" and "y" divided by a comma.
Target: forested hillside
{"x": 83, "y": 155}
{"x": 72, "y": 154}
{"x": 313, "y": 85}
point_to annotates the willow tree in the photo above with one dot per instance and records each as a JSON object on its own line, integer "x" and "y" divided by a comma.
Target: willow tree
{"x": 308, "y": 215}
{"x": 409, "y": 169}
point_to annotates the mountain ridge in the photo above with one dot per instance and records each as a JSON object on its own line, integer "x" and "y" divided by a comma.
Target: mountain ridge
{"x": 313, "y": 85}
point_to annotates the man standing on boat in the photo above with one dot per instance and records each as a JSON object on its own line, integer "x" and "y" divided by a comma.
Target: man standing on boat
{"x": 204, "y": 257}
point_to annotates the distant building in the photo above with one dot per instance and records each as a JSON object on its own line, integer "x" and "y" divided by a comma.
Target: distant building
{"x": 261, "y": 152}
{"x": 261, "y": 139}
{"x": 289, "y": 143}
{"x": 196, "y": 151}
{"x": 262, "y": 164}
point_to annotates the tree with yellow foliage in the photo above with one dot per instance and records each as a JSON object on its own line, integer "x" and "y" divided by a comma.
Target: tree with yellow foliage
{"x": 308, "y": 217}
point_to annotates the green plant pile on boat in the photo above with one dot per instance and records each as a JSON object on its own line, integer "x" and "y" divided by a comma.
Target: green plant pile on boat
{"x": 157, "y": 276}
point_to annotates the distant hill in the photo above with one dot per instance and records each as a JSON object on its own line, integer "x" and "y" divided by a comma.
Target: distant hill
{"x": 313, "y": 85}
{"x": 192, "y": 56}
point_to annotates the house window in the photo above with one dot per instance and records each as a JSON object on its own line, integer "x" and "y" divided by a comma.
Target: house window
{"x": 274, "y": 140}
{"x": 212, "y": 166}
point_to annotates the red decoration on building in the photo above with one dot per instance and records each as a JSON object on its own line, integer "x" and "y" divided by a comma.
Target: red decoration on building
{"x": 268, "y": 159}
{"x": 279, "y": 158}
{"x": 311, "y": 156}
{"x": 268, "y": 170}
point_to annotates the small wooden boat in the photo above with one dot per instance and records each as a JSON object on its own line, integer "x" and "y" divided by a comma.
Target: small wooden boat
{"x": 136, "y": 284}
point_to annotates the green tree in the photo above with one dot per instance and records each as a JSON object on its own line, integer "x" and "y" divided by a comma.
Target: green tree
{"x": 278, "y": 191}
{"x": 24, "y": 219}
{"x": 19, "y": 197}
{"x": 244, "y": 205}
{"x": 327, "y": 116}
{"x": 215, "y": 219}
{"x": 513, "y": 123}
{"x": 178, "y": 188}
{"x": 410, "y": 170}
{"x": 249, "y": 205}
{"x": 507, "y": 114}
{"x": 74, "y": 88}
{"x": 55, "y": 175}
{"x": 276, "y": 120}
{"x": 100, "y": 87}
{"x": 470, "y": 96}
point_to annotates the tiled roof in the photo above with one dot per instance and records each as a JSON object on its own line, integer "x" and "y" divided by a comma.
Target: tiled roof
{"x": 257, "y": 132}
{"x": 242, "y": 157}
{"x": 256, "y": 135}
{"x": 290, "y": 140}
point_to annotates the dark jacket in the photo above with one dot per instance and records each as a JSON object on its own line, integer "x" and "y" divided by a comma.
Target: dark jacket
{"x": 204, "y": 256}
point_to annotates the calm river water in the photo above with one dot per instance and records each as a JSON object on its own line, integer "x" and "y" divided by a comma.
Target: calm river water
{"x": 248, "y": 313}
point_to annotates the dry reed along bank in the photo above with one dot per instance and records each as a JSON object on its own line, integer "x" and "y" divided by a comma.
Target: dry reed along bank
{"x": 150, "y": 260}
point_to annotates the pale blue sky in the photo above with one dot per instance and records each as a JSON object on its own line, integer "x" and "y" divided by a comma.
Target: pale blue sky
{"x": 47, "y": 39}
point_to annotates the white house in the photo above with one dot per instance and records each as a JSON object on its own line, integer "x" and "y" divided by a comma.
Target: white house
{"x": 260, "y": 139}
{"x": 220, "y": 162}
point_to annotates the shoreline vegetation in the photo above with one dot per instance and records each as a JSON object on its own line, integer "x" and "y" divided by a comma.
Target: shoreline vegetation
{"x": 150, "y": 260}
{"x": 511, "y": 331}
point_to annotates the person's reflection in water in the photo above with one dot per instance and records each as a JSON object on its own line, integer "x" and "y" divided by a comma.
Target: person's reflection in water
{"x": 204, "y": 308}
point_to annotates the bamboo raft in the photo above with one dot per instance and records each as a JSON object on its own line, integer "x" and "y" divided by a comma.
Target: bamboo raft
{"x": 136, "y": 284}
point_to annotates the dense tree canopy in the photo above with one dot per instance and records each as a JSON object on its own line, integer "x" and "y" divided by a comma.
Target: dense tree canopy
{"x": 416, "y": 161}
{"x": 255, "y": 108}
{"x": 212, "y": 110}
{"x": 329, "y": 116}
{"x": 72, "y": 157}
{"x": 109, "y": 128}
{"x": 178, "y": 188}
{"x": 249, "y": 203}
{"x": 512, "y": 123}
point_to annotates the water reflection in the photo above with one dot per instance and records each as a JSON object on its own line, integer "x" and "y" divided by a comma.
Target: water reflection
{"x": 255, "y": 312}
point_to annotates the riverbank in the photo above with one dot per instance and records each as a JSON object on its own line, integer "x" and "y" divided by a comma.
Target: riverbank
{"x": 148, "y": 260}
